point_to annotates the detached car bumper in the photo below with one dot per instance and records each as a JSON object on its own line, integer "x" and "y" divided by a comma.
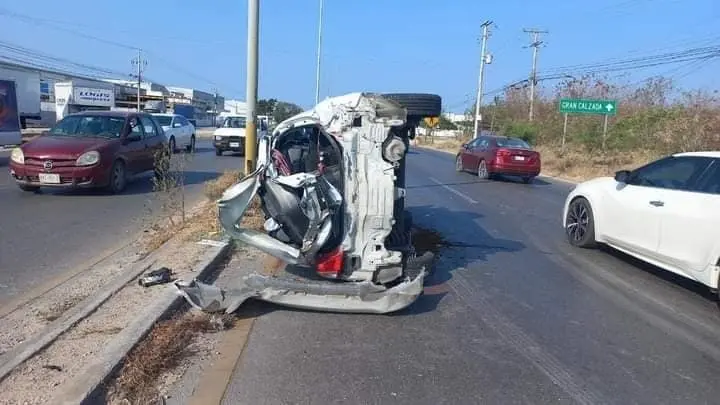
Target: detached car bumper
{"x": 230, "y": 143}
{"x": 360, "y": 297}
{"x": 67, "y": 177}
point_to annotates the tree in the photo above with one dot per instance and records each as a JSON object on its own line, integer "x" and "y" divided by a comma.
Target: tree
{"x": 284, "y": 110}
{"x": 266, "y": 106}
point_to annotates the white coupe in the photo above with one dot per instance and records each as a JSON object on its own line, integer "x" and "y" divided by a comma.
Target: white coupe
{"x": 666, "y": 213}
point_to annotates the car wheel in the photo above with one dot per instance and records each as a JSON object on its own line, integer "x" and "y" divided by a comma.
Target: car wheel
{"x": 191, "y": 148}
{"x": 580, "y": 224}
{"x": 482, "y": 171}
{"x": 458, "y": 164}
{"x": 118, "y": 177}
{"x": 171, "y": 145}
{"x": 29, "y": 189}
{"x": 218, "y": 152}
{"x": 528, "y": 179}
{"x": 418, "y": 104}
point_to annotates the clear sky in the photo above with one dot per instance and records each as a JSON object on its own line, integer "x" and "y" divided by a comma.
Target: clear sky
{"x": 369, "y": 45}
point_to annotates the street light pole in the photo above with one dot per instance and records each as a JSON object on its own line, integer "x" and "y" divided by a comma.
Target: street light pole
{"x": 251, "y": 86}
{"x": 319, "y": 57}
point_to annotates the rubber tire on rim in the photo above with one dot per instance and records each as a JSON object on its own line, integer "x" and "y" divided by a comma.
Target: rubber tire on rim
{"x": 171, "y": 145}
{"x": 486, "y": 174}
{"x": 528, "y": 179}
{"x": 29, "y": 189}
{"x": 218, "y": 152}
{"x": 458, "y": 164}
{"x": 587, "y": 239}
{"x": 418, "y": 104}
{"x": 191, "y": 148}
{"x": 113, "y": 186}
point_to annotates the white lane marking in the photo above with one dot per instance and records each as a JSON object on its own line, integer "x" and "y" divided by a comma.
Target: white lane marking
{"x": 452, "y": 190}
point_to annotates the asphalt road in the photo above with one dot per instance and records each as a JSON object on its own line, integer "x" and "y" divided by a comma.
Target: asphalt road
{"x": 50, "y": 233}
{"x": 514, "y": 317}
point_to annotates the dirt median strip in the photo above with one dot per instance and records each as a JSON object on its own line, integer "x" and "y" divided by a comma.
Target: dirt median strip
{"x": 86, "y": 384}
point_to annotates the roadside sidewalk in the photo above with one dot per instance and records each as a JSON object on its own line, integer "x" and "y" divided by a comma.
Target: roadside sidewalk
{"x": 64, "y": 344}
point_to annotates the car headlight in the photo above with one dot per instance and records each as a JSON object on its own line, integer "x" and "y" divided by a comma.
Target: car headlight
{"x": 88, "y": 158}
{"x": 17, "y": 156}
{"x": 218, "y": 137}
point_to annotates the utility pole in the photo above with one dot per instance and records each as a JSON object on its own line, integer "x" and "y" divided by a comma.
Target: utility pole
{"x": 319, "y": 54}
{"x": 140, "y": 64}
{"x": 533, "y": 74}
{"x": 478, "y": 100}
{"x": 252, "y": 86}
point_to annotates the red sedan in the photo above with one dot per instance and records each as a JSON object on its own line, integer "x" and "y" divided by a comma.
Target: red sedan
{"x": 490, "y": 155}
{"x": 89, "y": 149}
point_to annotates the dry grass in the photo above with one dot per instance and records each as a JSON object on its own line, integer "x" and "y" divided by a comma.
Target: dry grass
{"x": 444, "y": 144}
{"x": 162, "y": 350}
{"x": 203, "y": 222}
{"x": 579, "y": 166}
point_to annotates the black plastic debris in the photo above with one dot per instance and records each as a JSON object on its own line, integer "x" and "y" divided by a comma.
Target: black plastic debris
{"x": 155, "y": 277}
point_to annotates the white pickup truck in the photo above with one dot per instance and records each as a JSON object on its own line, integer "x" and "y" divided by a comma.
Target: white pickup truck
{"x": 230, "y": 134}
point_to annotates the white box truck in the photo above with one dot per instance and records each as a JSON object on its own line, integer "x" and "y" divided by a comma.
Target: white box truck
{"x": 27, "y": 89}
{"x": 9, "y": 115}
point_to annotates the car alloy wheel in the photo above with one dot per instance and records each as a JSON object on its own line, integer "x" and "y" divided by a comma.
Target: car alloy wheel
{"x": 482, "y": 171}
{"x": 191, "y": 148}
{"x": 579, "y": 224}
{"x": 171, "y": 146}
{"x": 458, "y": 164}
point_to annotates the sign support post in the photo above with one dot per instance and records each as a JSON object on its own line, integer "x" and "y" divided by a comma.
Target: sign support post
{"x": 562, "y": 148}
{"x": 604, "y": 139}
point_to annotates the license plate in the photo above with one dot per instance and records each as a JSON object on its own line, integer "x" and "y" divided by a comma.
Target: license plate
{"x": 519, "y": 157}
{"x": 49, "y": 178}
{"x": 234, "y": 144}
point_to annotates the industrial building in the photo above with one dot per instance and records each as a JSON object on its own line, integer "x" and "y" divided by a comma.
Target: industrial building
{"x": 47, "y": 96}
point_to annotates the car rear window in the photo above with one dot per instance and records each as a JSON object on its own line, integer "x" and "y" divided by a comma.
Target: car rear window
{"x": 512, "y": 143}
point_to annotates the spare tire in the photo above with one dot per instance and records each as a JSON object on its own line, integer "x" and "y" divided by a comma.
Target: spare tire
{"x": 418, "y": 104}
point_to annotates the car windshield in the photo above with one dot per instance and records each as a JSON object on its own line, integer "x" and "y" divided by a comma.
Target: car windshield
{"x": 163, "y": 120}
{"x": 89, "y": 126}
{"x": 512, "y": 143}
{"x": 234, "y": 122}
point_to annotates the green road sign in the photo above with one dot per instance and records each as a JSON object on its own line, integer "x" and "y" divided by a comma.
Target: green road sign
{"x": 581, "y": 106}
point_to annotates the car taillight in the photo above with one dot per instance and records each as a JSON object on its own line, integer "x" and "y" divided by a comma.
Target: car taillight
{"x": 501, "y": 154}
{"x": 330, "y": 265}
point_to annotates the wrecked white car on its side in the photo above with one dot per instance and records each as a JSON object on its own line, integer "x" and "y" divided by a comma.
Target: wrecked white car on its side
{"x": 332, "y": 187}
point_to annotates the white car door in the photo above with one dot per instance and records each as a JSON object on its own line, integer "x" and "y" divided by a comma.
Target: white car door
{"x": 628, "y": 221}
{"x": 690, "y": 224}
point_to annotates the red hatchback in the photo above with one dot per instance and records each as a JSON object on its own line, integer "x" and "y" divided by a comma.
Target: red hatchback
{"x": 489, "y": 155}
{"x": 89, "y": 149}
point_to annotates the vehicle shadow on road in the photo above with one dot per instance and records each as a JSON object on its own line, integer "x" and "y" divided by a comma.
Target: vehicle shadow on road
{"x": 518, "y": 180}
{"x": 141, "y": 184}
{"x": 670, "y": 277}
{"x": 465, "y": 243}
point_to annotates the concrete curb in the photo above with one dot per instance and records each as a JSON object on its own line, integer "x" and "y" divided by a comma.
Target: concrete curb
{"x": 22, "y": 352}
{"x": 88, "y": 384}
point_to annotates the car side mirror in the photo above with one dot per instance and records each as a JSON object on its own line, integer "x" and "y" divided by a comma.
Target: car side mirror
{"x": 622, "y": 176}
{"x": 132, "y": 138}
{"x": 464, "y": 146}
